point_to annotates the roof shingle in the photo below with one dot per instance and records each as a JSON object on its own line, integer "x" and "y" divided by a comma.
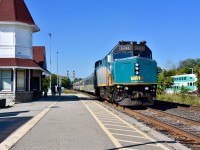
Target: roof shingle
{"x": 15, "y": 11}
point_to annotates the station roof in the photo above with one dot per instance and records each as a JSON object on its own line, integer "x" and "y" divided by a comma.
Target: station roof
{"x": 39, "y": 55}
{"x": 38, "y": 62}
{"x": 6, "y": 62}
{"x": 15, "y": 11}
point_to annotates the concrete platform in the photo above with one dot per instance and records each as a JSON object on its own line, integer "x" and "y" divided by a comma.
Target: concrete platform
{"x": 76, "y": 122}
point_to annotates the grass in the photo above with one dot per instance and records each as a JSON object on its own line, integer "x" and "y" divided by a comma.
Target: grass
{"x": 180, "y": 98}
{"x": 69, "y": 91}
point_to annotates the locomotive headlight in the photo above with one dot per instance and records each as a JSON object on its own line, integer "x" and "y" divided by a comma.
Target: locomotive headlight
{"x": 136, "y": 68}
{"x": 136, "y": 64}
{"x": 126, "y": 88}
{"x": 146, "y": 88}
{"x": 137, "y": 72}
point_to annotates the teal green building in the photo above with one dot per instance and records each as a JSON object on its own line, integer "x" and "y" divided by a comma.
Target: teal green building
{"x": 187, "y": 81}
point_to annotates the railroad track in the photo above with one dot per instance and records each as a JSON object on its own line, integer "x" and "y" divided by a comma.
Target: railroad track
{"x": 181, "y": 129}
{"x": 177, "y": 105}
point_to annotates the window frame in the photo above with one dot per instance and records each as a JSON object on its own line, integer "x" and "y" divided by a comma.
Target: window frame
{"x": 7, "y": 77}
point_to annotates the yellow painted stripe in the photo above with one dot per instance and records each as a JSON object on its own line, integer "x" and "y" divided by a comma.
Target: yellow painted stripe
{"x": 145, "y": 135}
{"x": 132, "y": 83}
{"x": 137, "y": 83}
{"x": 114, "y": 125}
{"x": 121, "y": 130}
{"x": 107, "y": 118}
{"x": 129, "y": 141}
{"x": 110, "y": 121}
{"x": 112, "y": 138}
{"x": 150, "y": 144}
{"x": 128, "y": 135}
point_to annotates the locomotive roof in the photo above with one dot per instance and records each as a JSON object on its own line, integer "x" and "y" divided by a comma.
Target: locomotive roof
{"x": 131, "y": 45}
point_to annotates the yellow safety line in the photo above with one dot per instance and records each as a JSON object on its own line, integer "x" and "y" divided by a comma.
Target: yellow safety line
{"x": 110, "y": 121}
{"x": 112, "y": 138}
{"x": 108, "y": 118}
{"x": 150, "y": 144}
{"x": 121, "y": 130}
{"x": 128, "y": 135}
{"x": 116, "y": 125}
{"x": 151, "y": 139}
{"x": 129, "y": 141}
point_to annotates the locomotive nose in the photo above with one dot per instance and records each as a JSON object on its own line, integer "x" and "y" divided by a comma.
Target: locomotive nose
{"x": 123, "y": 72}
{"x": 142, "y": 71}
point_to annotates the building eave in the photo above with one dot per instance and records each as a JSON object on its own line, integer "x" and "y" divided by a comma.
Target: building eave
{"x": 33, "y": 27}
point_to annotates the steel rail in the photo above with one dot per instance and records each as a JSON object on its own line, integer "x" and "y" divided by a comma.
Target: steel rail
{"x": 159, "y": 123}
{"x": 189, "y": 121}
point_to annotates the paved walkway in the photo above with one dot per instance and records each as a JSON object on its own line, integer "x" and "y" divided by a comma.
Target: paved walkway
{"x": 72, "y": 123}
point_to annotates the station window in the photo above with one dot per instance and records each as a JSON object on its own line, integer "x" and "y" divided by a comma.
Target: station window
{"x": 5, "y": 80}
{"x": 21, "y": 80}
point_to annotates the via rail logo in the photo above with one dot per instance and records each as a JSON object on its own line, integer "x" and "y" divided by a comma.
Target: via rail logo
{"x": 136, "y": 79}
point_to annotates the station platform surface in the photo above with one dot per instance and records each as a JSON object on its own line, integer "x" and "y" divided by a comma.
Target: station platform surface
{"x": 75, "y": 122}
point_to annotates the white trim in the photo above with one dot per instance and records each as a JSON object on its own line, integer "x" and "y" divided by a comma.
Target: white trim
{"x": 14, "y": 80}
{"x": 34, "y": 28}
{"x": 22, "y": 67}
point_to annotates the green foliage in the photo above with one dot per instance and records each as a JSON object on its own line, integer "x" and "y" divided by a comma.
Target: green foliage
{"x": 179, "y": 98}
{"x": 66, "y": 82}
{"x": 184, "y": 66}
{"x": 165, "y": 80}
{"x": 76, "y": 80}
{"x": 53, "y": 79}
{"x": 197, "y": 83}
{"x": 45, "y": 84}
{"x": 184, "y": 90}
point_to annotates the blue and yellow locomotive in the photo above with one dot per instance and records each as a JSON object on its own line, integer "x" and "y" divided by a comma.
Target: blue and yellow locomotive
{"x": 127, "y": 75}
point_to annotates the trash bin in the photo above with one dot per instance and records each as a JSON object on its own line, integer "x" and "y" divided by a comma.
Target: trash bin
{"x": 2, "y": 103}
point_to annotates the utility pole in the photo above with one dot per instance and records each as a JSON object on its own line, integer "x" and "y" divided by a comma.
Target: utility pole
{"x": 192, "y": 70}
{"x": 50, "y": 60}
{"x": 57, "y": 68}
{"x": 74, "y": 74}
{"x": 67, "y": 74}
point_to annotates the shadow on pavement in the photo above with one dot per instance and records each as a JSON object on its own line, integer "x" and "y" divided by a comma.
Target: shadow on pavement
{"x": 9, "y": 124}
{"x": 11, "y": 114}
{"x": 64, "y": 98}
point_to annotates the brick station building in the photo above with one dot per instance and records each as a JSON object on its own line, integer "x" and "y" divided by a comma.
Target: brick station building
{"x": 21, "y": 64}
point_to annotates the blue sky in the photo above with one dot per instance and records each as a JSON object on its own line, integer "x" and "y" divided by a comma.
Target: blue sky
{"x": 84, "y": 31}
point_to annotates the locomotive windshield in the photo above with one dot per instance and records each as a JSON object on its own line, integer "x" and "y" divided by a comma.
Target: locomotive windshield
{"x": 121, "y": 55}
{"x": 126, "y": 54}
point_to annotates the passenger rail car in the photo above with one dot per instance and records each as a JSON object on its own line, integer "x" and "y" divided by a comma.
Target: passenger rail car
{"x": 127, "y": 75}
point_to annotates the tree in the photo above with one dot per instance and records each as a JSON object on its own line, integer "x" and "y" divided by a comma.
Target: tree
{"x": 45, "y": 84}
{"x": 76, "y": 80}
{"x": 66, "y": 82}
{"x": 197, "y": 83}
{"x": 165, "y": 80}
{"x": 184, "y": 66}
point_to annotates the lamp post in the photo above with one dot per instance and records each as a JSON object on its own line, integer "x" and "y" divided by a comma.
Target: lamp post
{"x": 50, "y": 60}
{"x": 192, "y": 70}
{"x": 57, "y": 68}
